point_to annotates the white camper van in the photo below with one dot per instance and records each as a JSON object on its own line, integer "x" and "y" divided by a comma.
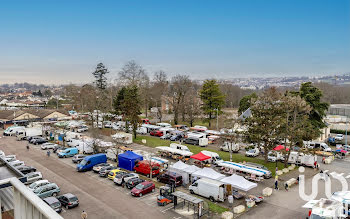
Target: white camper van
{"x": 226, "y": 146}
{"x": 302, "y": 159}
{"x": 212, "y": 189}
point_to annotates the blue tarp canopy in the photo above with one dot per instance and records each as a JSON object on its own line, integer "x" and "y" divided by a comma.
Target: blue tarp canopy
{"x": 127, "y": 160}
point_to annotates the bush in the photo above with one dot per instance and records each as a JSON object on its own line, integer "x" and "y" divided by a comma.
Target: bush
{"x": 338, "y": 131}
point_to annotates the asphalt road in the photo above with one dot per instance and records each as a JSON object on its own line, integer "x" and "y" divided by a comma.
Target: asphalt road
{"x": 99, "y": 197}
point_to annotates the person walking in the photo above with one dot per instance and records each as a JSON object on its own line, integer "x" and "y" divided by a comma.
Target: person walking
{"x": 286, "y": 186}
{"x": 28, "y": 147}
{"x": 84, "y": 215}
{"x": 276, "y": 184}
{"x": 48, "y": 153}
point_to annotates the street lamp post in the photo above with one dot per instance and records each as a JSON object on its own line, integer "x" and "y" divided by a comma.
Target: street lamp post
{"x": 217, "y": 118}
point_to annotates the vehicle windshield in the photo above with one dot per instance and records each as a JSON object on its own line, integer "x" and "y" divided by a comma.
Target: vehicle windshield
{"x": 55, "y": 204}
{"x": 83, "y": 162}
{"x": 73, "y": 199}
{"x": 139, "y": 186}
{"x": 314, "y": 216}
{"x": 37, "y": 190}
{"x": 251, "y": 151}
{"x": 111, "y": 173}
{"x": 32, "y": 186}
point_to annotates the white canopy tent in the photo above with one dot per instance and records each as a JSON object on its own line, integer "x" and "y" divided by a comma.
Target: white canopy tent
{"x": 208, "y": 173}
{"x": 239, "y": 182}
{"x": 179, "y": 168}
{"x": 191, "y": 169}
{"x": 243, "y": 168}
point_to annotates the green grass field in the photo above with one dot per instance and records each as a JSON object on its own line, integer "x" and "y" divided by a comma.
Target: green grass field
{"x": 155, "y": 142}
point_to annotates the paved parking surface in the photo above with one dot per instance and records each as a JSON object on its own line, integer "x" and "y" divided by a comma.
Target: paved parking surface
{"x": 99, "y": 197}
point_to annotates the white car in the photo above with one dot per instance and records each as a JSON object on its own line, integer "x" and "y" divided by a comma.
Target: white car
{"x": 252, "y": 152}
{"x": 38, "y": 184}
{"x": 17, "y": 163}
{"x": 46, "y": 146}
{"x": 82, "y": 129}
{"x": 33, "y": 177}
{"x": 10, "y": 158}
{"x": 274, "y": 156}
{"x": 119, "y": 178}
{"x": 339, "y": 137}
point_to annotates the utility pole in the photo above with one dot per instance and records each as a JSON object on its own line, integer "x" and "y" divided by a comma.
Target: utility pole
{"x": 217, "y": 118}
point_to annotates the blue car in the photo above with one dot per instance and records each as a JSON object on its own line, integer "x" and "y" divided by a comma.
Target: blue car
{"x": 176, "y": 137}
{"x": 69, "y": 152}
{"x": 89, "y": 161}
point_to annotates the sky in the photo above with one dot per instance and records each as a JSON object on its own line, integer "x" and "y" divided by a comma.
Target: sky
{"x": 61, "y": 41}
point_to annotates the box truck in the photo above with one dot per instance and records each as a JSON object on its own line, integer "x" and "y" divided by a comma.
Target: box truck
{"x": 23, "y": 134}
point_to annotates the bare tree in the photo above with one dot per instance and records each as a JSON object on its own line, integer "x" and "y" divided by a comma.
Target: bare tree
{"x": 178, "y": 88}
{"x": 132, "y": 73}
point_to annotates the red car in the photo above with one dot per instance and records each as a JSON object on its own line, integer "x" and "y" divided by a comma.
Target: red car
{"x": 156, "y": 133}
{"x": 146, "y": 121}
{"x": 143, "y": 189}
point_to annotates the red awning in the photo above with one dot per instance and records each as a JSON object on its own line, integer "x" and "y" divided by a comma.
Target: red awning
{"x": 200, "y": 156}
{"x": 280, "y": 147}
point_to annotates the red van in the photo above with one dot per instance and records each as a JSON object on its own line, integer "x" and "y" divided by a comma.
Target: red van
{"x": 143, "y": 167}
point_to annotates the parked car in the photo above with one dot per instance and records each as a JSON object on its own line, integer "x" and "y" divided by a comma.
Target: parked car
{"x": 38, "y": 184}
{"x": 58, "y": 148}
{"x": 193, "y": 141}
{"x": 29, "y": 139}
{"x": 156, "y": 133}
{"x": 112, "y": 174}
{"x": 166, "y": 137}
{"x": 39, "y": 141}
{"x": 33, "y": 177}
{"x": 69, "y": 152}
{"x": 26, "y": 169}
{"x": 54, "y": 203}
{"x": 46, "y": 146}
{"x": 133, "y": 182}
{"x": 10, "y": 158}
{"x": 89, "y": 161}
{"x": 82, "y": 129}
{"x": 68, "y": 200}
{"x": 98, "y": 167}
{"x": 176, "y": 137}
{"x": 105, "y": 170}
{"x": 339, "y": 137}
{"x": 78, "y": 157}
{"x": 46, "y": 191}
{"x": 16, "y": 163}
{"x": 170, "y": 178}
{"x": 252, "y": 152}
{"x": 124, "y": 178}
{"x": 143, "y": 189}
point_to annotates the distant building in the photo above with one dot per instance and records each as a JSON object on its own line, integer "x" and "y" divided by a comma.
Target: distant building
{"x": 20, "y": 117}
{"x": 339, "y": 109}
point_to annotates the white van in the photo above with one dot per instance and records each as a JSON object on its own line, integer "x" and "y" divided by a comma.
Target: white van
{"x": 11, "y": 131}
{"x": 179, "y": 146}
{"x": 164, "y": 125}
{"x": 226, "y": 146}
{"x": 212, "y": 189}
{"x": 215, "y": 158}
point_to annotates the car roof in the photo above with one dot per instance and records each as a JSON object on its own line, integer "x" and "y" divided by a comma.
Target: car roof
{"x": 29, "y": 174}
{"x": 51, "y": 200}
{"x": 69, "y": 195}
{"x": 146, "y": 183}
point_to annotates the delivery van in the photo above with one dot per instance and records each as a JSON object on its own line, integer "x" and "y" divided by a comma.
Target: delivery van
{"x": 25, "y": 133}
{"x": 11, "y": 131}
{"x": 90, "y": 161}
{"x": 209, "y": 188}
{"x": 69, "y": 152}
{"x": 144, "y": 168}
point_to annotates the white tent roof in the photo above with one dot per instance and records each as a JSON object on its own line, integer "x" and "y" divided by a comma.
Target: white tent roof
{"x": 208, "y": 173}
{"x": 180, "y": 165}
{"x": 239, "y": 182}
{"x": 191, "y": 169}
{"x": 243, "y": 168}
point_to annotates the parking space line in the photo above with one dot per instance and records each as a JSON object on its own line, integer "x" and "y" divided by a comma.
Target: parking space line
{"x": 145, "y": 196}
{"x": 167, "y": 209}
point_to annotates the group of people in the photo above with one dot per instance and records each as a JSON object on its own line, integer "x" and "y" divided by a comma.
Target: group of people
{"x": 286, "y": 186}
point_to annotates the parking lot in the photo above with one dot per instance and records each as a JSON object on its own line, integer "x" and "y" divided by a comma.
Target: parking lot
{"x": 98, "y": 196}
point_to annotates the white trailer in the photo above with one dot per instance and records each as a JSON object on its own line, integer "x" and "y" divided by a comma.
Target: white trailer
{"x": 29, "y": 132}
{"x": 325, "y": 208}
{"x": 227, "y": 146}
{"x": 209, "y": 188}
{"x": 302, "y": 159}
{"x": 215, "y": 158}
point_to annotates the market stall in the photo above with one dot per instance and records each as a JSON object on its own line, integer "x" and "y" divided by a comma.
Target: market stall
{"x": 201, "y": 159}
{"x": 239, "y": 182}
{"x": 127, "y": 160}
{"x": 207, "y": 173}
